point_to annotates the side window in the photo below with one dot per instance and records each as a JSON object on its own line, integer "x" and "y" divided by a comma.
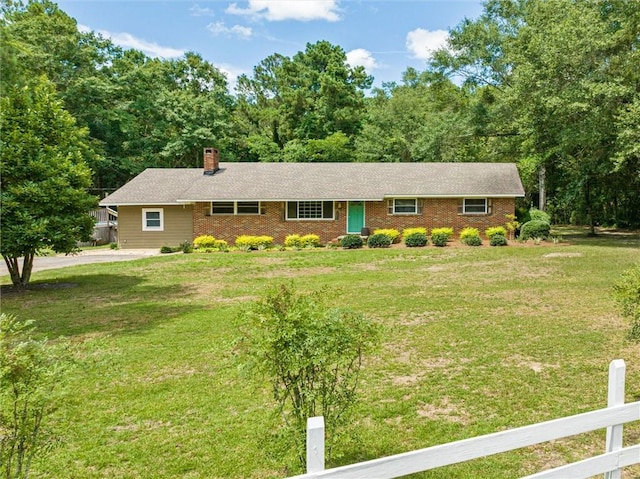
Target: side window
{"x": 152, "y": 219}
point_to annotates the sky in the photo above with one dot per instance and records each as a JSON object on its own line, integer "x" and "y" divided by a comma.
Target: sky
{"x": 384, "y": 36}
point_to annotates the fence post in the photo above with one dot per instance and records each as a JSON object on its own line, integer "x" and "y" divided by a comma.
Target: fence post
{"x": 315, "y": 444}
{"x": 615, "y": 398}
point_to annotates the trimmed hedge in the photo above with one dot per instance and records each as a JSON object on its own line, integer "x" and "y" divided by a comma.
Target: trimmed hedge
{"x": 535, "y": 229}
{"x": 439, "y": 239}
{"x": 498, "y": 240}
{"x": 204, "y": 241}
{"x": 495, "y": 230}
{"x": 379, "y": 240}
{"x": 446, "y": 231}
{"x": 254, "y": 242}
{"x": 351, "y": 242}
{"x": 393, "y": 234}
{"x": 470, "y": 237}
{"x": 416, "y": 239}
{"x": 409, "y": 231}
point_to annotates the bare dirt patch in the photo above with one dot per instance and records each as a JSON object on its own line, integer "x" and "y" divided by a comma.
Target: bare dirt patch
{"x": 445, "y": 411}
{"x": 562, "y": 255}
{"x": 291, "y": 273}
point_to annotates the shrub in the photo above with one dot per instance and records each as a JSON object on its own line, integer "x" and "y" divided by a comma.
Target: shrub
{"x": 379, "y": 240}
{"x": 351, "y": 242}
{"x": 114, "y": 246}
{"x": 538, "y": 215}
{"x": 167, "y": 249}
{"x": 439, "y": 239}
{"x": 416, "y": 239}
{"x": 220, "y": 245}
{"x": 495, "y": 230}
{"x": 186, "y": 247}
{"x": 393, "y": 234}
{"x": 293, "y": 241}
{"x": 626, "y": 293}
{"x": 310, "y": 354}
{"x": 535, "y": 229}
{"x": 409, "y": 231}
{"x": 310, "y": 241}
{"x": 470, "y": 237}
{"x": 204, "y": 241}
{"x": 498, "y": 240}
{"x": 247, "y": 242}
{"x": 446, "y": 231}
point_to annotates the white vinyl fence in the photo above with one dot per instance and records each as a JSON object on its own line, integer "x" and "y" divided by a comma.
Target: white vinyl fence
{"x": 611, "y": 463}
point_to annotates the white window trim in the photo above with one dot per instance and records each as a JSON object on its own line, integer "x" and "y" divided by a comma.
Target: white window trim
{"x": 464, "y": 207}
{"x": 418, "y": 207}
{"x": 144, "y": 219}
{"x": 333, "y": 211}
{"x": 235, "y": 209}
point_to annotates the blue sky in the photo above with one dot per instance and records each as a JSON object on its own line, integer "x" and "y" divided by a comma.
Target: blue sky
{"x": 384, "y": 36}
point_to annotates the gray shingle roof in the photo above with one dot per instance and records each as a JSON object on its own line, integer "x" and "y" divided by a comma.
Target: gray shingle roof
{"x": 319, "y": 181}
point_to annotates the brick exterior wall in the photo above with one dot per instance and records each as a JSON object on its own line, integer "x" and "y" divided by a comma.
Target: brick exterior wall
{"x": 436, "y": 213}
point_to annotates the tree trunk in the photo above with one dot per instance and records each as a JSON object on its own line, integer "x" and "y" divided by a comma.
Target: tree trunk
{"x": 20, "y": 280}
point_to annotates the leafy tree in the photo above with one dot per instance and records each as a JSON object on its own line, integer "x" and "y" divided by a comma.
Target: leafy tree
{"x": 44, "y": 202}
{"x": 626, "y": 292}
{"x": 32, "y": 374}
{"x": 310, "y": 353}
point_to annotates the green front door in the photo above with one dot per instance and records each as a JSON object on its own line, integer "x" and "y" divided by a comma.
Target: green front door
{"x": 355, "y": 217}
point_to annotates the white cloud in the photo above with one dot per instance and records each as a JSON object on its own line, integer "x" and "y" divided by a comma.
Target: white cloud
{"x": 277, "y": 10}
{"x": 422, "y": 43}
{"x": 198, "y": 11}
{"x": 362, "y": 57}
{"x": 126, "y": 40}
{"x": 219, "y": 28}
{"x": 232, "y": 73}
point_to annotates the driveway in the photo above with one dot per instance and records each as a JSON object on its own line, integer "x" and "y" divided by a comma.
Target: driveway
{"x": 40, "y": 263}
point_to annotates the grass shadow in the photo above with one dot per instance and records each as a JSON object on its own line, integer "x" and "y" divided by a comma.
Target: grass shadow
{"x": 103, "y": 304}
{"x": 609, "y": 237}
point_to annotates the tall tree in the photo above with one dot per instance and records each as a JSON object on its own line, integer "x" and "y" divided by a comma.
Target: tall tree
{"x": 43, "y": 196}
{"x": 309, "y": 97}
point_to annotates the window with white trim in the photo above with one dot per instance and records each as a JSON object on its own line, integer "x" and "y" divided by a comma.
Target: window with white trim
{"x": 310, "y": 210}
{"x": 152, "y": 219}
{"x": 405, "y": 206}
{"x": 236, "y": 208}
{"x": 474, "y": 206}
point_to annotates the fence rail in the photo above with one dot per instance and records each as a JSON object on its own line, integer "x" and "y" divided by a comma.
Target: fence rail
{"x": 611, "y": 462}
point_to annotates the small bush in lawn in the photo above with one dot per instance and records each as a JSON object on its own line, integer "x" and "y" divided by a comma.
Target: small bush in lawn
{"x": 167, "y": 249}
{"x": 204, "y": 241}
{"x": 351, "y": 242}
{"x": 626, "y": 293}
{"x": 379, "y": 240}
{"x": 310, "y": 241}
{"x": 495, "y": 230}
{"x": 416, "y": 239}
{"x": 498, "y": 240}
{"x": 439, "y": 239}
{"x": 390, "y": 232}
{"x": 446, "y": 231}
{"x": 535, "y": 229}
{"x": 245, "y": 242}
{"x": 114, "y": 246}
{"x": 293, "y": 241}
{"x": 538, "y": 215}
{"x": 470, "y": 237}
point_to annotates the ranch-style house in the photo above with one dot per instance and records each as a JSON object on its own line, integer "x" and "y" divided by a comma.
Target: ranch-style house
{"x": 167, "y": 206}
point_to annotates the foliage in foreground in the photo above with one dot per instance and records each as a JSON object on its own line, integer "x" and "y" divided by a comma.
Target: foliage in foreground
{"x": 31, "y": 381}
{"x": 627, "y": 295}
{"x": 310, "y": 353}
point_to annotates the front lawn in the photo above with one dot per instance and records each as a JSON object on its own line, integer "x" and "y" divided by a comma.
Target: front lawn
{"x": 476, "y": 340}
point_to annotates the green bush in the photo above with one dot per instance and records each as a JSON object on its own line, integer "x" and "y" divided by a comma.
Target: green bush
{"x": 498, "y": 240}
{"x": 293, "y": 241}
{"x": 114, "y": 246}
{"x": 204, "y": 241}
{"x": 379, "y": 240}
{"x": 186, "y": 247}
{"x": 393, "y": 234}
{"x": 439, "y": 239}
{"x": 310, "y": 241}
{"x": 538, "y": 215}
{"x": 416, "y": 239}
{"x": 626, "y": 293}
{"x": 470, "y": 236}
{"x": 495, "y": 230}
{"x": 247, "y": 242}
{"x": 167, "y": 249}
{"x": 445, "y": 231}
{"x": 351, "y": 242}
{"x": 535, "y": 229}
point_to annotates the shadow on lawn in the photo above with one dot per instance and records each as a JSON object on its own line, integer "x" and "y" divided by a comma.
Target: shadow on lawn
{"x": 82, "y": 305}
{"x": 609, "y": 237}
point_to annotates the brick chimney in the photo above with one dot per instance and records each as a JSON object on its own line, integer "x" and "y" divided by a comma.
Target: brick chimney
{"x": 211, "y": 161}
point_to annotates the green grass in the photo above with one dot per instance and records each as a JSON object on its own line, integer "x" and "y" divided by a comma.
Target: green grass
{"x": 476, "y": 340}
